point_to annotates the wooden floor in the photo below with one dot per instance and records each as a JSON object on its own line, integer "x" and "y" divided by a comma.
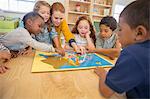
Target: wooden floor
{"x": 20, "y": 83}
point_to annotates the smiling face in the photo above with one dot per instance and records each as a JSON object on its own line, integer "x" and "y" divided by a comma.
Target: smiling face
{"x": 83, "y": 27}
{"x": 35, "y": 26}
{"x": 44, "y": 11}
{"x": 57, "y": 18}
{"x": 126, "y": 35}
{"x": 105, "y": 32}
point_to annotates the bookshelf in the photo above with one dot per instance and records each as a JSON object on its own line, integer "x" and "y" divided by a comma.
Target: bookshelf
{"x": 95, "y": 9}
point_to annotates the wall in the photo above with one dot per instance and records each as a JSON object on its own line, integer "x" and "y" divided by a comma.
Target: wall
{"x": 20, "y": 15}
{"x": 124, "y": 2}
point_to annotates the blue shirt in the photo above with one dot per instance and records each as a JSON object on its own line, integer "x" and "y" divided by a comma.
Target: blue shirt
{"x": 131, "y": 71}
{"x": 45, "y": 36}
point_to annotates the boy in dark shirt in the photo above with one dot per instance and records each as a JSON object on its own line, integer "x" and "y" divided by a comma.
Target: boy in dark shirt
{"x": 131, "y": 71}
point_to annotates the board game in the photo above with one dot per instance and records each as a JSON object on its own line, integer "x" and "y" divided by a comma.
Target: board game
{"x": 71, "y": 61}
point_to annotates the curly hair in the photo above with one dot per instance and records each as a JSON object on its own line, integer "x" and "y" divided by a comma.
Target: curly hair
{"x": 75, "y": 30}
{"x": 109, "y": 21}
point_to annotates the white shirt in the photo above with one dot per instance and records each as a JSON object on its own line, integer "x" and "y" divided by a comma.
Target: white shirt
{"x": 80, "y": 40}
{"x": 20, "y": 38}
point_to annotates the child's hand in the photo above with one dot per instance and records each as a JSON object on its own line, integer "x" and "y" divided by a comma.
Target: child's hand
{"x": 5, "y": 55}
{"x": 26, "y": 51}
{"x": 100, "y": 71}
{"x": 3, "y": 69}
{"x": 14, "y": 54}
{"x": 81, "y": 50}
{"x": 89, "y": 50}
{"x": 88, "y": 34}
{"x": 61, "y": 51}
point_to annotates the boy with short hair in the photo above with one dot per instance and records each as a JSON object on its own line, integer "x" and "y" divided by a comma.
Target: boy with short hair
{"x": 20, "y": 39}
{"x": 107, "y": 42}
{"x": 131, "y": 71}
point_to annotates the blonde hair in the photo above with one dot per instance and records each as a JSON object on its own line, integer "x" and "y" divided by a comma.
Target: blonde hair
{"x": 57, "y": 6}
{"x": 36, "y": 8}
{"x": 40, "y": 3}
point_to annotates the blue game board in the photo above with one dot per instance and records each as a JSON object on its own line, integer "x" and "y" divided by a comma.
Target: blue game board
{"x": 90, "y": 61}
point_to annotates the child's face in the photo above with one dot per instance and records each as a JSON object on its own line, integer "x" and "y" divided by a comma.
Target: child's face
{"x": 83, "y": 27}
{"x": 57, "y": 18}
{"x": 105, "y": 32}
{"x": 44, "y": 11}
{"x": 36, "y": 26}
{"x": 126, "y": 35}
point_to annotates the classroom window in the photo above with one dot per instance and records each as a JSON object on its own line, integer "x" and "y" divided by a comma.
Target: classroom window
{"x": 17, "y": 5}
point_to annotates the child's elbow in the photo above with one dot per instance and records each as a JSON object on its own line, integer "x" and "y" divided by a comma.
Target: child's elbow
{"x": 107, "y": 94}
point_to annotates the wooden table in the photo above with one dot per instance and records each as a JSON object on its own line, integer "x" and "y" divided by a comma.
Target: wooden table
{"x": 20, "y": 83}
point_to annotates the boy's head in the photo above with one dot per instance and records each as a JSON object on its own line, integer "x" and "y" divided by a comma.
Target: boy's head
{"x": 33, "y": 22}
{"x": 134, "y": 23}
{"x": 107, "y": 25}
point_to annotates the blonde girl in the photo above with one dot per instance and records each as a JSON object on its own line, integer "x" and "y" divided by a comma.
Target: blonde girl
{"x": 48, "y": 34}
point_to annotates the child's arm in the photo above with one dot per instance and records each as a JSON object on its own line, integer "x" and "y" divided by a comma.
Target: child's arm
{"x": 54, "y": 36}
{"x": 110, "y": 52}
{"x": 104, "y": 89}
{"x": 90, "y": 44}
{"x": 59, "y": 49}
{"x": 37, "y": 45}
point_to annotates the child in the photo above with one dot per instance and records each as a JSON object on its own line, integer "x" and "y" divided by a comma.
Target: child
{"x": 57, "y": 18}
{"x": 19, "y": 39}
{"x": 131, "y": 72}
{"x": 48, "y": 34}
{"x": 107, "y": 42}
{"x": 4, "y": 56}
{"x": 84, "y": 33}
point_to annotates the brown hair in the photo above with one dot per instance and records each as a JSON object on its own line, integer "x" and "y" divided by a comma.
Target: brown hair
{"x": 109, "y": 21}
{"x": 75, "y": 30}
{"x": 137, "y": 13}
{"x": 36, "y": 8}
{"x": 57, "y": 6}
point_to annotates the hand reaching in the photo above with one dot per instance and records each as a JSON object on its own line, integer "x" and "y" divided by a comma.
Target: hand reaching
{"x": 3, "y": 69}
{"x": 61, "y": 51}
